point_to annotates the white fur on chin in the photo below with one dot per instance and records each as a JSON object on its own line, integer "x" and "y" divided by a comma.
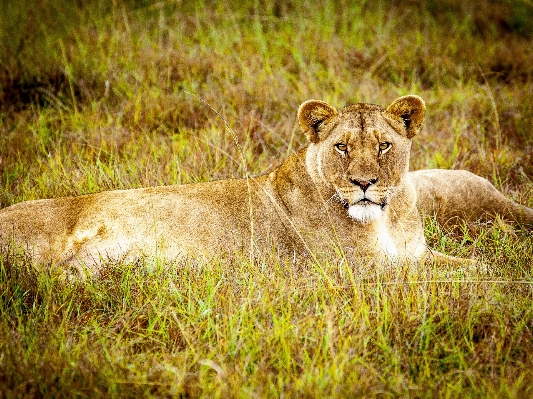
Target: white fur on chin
{"x": 365, "y": 213}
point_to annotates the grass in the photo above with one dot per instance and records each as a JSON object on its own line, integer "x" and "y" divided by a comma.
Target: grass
{"x": 117, "y": 95}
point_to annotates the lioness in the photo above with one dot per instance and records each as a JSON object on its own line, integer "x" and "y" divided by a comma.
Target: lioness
{"x": 350, "y": 188}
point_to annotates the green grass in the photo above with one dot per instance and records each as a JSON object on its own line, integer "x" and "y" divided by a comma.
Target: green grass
{"x": 118, "y": 95}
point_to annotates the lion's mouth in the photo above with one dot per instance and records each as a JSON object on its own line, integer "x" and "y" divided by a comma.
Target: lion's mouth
{"x": 365, "y": 202}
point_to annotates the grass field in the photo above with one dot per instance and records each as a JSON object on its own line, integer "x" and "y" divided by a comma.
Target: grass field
{"x": 123, "y": 94}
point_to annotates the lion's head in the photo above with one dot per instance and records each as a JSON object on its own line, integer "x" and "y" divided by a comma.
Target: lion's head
{"x": 361, "y": 152}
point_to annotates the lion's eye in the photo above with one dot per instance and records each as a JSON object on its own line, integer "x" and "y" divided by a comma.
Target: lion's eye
{"x": 342, "y": 148}
{"x": 384, "y": 147}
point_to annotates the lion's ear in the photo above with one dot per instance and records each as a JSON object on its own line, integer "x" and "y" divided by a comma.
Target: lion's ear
{"x": 411, "y": 110}
{"x": 311, "y": 115}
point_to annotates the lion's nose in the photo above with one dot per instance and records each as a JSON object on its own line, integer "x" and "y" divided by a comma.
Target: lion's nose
{"x": 364, "y": 184}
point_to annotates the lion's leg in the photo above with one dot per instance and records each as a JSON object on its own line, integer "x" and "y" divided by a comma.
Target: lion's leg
{"x": 456, "y": 264}
{"x": 450, "y": 194}
{"x": 432, "y": 256}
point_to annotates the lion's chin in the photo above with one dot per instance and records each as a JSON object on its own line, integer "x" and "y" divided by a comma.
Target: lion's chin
{"x": 365, "y": 213}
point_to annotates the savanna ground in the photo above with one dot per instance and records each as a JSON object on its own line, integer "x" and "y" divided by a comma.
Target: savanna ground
{"x": 122, "y": 94}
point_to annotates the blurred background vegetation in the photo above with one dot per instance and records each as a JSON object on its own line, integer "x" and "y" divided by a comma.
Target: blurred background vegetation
{"x": 94, "y": 95}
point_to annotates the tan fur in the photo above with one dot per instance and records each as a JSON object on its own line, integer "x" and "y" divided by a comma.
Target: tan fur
{"x": 455, "y": 195}
{"x": 309, "y": 205}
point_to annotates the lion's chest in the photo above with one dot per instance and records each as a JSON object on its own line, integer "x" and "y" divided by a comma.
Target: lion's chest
{"x": 397, "y": 242}
{"x": 384, "y": 242}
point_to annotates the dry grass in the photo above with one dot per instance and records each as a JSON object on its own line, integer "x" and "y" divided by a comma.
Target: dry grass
{"x": 96, "y": 97}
